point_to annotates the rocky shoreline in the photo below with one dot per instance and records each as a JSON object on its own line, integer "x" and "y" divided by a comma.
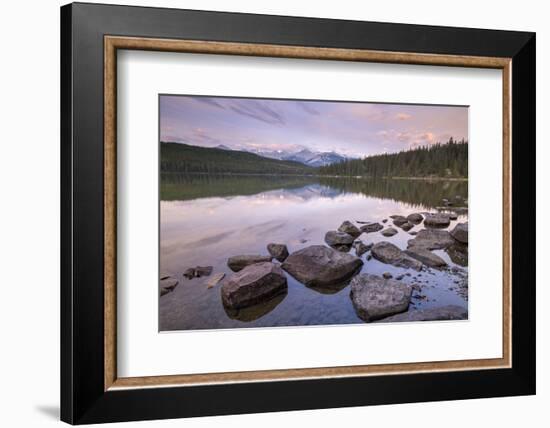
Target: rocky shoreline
{"x": 261, "y": 278}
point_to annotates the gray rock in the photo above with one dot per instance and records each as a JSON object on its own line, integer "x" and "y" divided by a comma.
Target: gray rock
{"x": 361, "y": 248}
{"x": 333, "y": 238}
{"x": 189, "y": 273}
{"x": 413, "y": 233}
{"x": 371, "y": 227}
{"x": 460, "y": 233}
{"x": 450, "y": 312}
{"x": 432, "y": 239}
{"x": 386, "y": 252}
{"x": 349, "y": 228}
{"x": 399, "y": 220}
{"x": 407, "y": 226}
{"x": 374, "y": 297}
{"x": 426, "y": 257}
{"x": 318, "y": 265}
{"x": 215, "y": 279}
{"x": 390, "y": 231}
{"x": 167, "y": 285}
{"x": 253, "y": 284}
{"x": 237, "y": 263}
{"x": 387, "y": 275}
{"x": 385, "y": 220}
{"x": 203, "y": 271}
{"x": 278, "y": 251}
{"x": 415, "y": 218}
{"x": 437, "y": 220}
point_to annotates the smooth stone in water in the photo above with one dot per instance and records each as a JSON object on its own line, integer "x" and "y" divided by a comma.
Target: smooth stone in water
{"x": 374, "y": 297}
{"x": 167, "y": 285}
{"x": 399, "y": 220}
{"x": 407, "y": 226}
{"x": 237, "y": 263}
{"x": 371, "y": 227}
{"x": 203, "y": 271}
{"x": 361, "y": 248}
{"x": 443, "y": 313}
{"x": 278, "y": 251}
{"x": 318, "y": 265}
{"x": 333, "y": 238}
{"x": 415, "y": 218}
{"x": 432, "y": 239}
{"x": 426, "y": 256}
{"x": 189, "y": 273}
{"x": 349, "y": 228}
{"x": 215, "y": 279}
{"x": 388, "y": 253}
{"x": 460, "y": 233}
{"x": 437, "y": 220}
{"x": 390, "y": 231}
{"x": 387, "y": 275}
{"x": 253, "y": 284}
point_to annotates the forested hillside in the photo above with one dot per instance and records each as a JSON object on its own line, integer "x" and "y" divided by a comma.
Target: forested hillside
{"x": 186, "y": 159}
{"x": 438, "y": 160}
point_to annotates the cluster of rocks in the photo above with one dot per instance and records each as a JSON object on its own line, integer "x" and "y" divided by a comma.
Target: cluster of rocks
{"x": 259, "y": 278}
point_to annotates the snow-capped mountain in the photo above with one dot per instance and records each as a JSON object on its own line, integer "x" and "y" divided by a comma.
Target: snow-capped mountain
{"x": 304, "y": 156}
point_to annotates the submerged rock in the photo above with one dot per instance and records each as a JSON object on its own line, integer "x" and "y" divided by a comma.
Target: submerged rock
{"x": 437, "y": 220}
{"x": 189, "y": 273}
{"x": 253, "y": 284}
{"x": 318, "y": 265}
{"x": 333, "y": 238}
{"x": 415, "y": 218}
{"x": 450, "y": 312}
{"x": 374, "y": 297}
{"x": 167, "y": 284}
{"x": 349, "y": 228}
{"x": 460, "y": 233}
{"x": 399, "y": 220}
{"x": 407, "y": 226}
{"x": 426, "y": 256}
{"x": 257, "y": 311}
{"x": 215, "y": 279}
{"x": 278, "y": 251}
{"x": 390, "y": 231}
{"x": 458, "y": 253}
{"x": 432, "y": 239}
{"x": 237, "y": 263}
{"x": 371, "y": 227}
{"x": 386, "y": 252}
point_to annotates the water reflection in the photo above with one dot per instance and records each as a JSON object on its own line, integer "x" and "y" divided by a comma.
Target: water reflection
{"x": 206, "y": 219}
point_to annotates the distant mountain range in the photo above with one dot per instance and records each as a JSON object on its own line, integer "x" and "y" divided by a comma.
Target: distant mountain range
{"x": 304, "y": 156}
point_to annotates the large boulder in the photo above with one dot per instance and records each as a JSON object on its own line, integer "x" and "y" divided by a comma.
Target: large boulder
{"x": 336, "y": 238}
{"x": 432, "y": 239}
{"x": 254, "y": 284}
{"x": 441, "y": 220}
{"x": 390, "y": 231}
{"x": 415, "y": 218}
{"x": 460, "y": 233}
{"x": 399, "y": 220}
{"x": 349, "y": 228}
{"x": 237, "y": 263}
{"x": 278, "y": 251}
{"x": 443, "y": 313}
{"x": 318, "y": 265}
{"x": 374, "y": 297}
{"x": 386, "y": 252}
{"x": 371, "y": 227}
{"x": 426, "y": 257}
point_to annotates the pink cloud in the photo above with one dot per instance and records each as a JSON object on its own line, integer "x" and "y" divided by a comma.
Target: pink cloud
{"x": 403, "y": 116}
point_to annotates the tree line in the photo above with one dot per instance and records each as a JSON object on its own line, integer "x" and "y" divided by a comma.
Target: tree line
{"x": 436, "y": 160}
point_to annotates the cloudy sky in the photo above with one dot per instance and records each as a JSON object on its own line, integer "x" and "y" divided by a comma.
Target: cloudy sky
{"x": 350, "y": 128}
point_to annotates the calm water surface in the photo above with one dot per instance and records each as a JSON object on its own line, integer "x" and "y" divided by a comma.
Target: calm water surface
{"x": 205, "y": 220}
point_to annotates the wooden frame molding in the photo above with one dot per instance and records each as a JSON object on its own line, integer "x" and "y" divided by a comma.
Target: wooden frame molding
{"x": 113, "y": 43}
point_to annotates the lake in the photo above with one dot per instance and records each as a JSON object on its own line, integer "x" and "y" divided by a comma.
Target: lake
{"x": 206, "y": 219}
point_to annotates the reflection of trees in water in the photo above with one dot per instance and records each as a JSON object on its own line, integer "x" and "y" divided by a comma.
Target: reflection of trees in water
{"x": 415, "y": 192}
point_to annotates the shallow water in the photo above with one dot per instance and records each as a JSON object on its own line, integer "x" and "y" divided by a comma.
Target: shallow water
{"x": 241, "y": 215}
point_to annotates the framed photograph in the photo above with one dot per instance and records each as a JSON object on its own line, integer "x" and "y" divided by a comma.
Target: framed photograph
{"x": 266, "y": 213}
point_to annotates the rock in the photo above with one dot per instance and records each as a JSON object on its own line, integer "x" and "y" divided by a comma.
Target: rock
{"x": 415, "y": 218}
{"x": 390, "y": 231}
{"x": 432, "y": 239}
{"x": 253, "y": 284}
{"x": 369, "y": 257}
{"x": 413, "y": 233}
{"x": 426, "y": 257}
{"x": 165, "y": 276}
{"x": 371, "y": 227}
{"x": 453, "y": 216}
{"x": 458, "y": 253}
{"x": 349, "y": 228}
{"x": 189, "y": 273}
{"x": 450, "y": 312}
{"x": 385, "y": 220}
{"x": 215, "y": 279}
{"x": 167, "y": 285}
{"x": 374, "y": 297}
{"x": 460, "y": 233}
{"x": 333, "y": 238}
{"x": 437, "y": 220}
{"x": 278, "y": 251}
{"x": 407, "y": 226}
{"x": 203, "y": 271}
{"x": 236, "y": 263}
{"x": 342, "y": 248}
{"x": 254, "y": 312}
{"x": 387, "y": 275}
{"x": 386, "y": 252}
{"x": 361, "y": 248}
{"x": 399, "y": 277}
{"x": 318, "y": 265}
{"x": 399, "y": 220}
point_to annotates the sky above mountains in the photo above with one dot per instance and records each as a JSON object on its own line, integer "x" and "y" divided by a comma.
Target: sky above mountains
{"x": 349, "y": 128}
